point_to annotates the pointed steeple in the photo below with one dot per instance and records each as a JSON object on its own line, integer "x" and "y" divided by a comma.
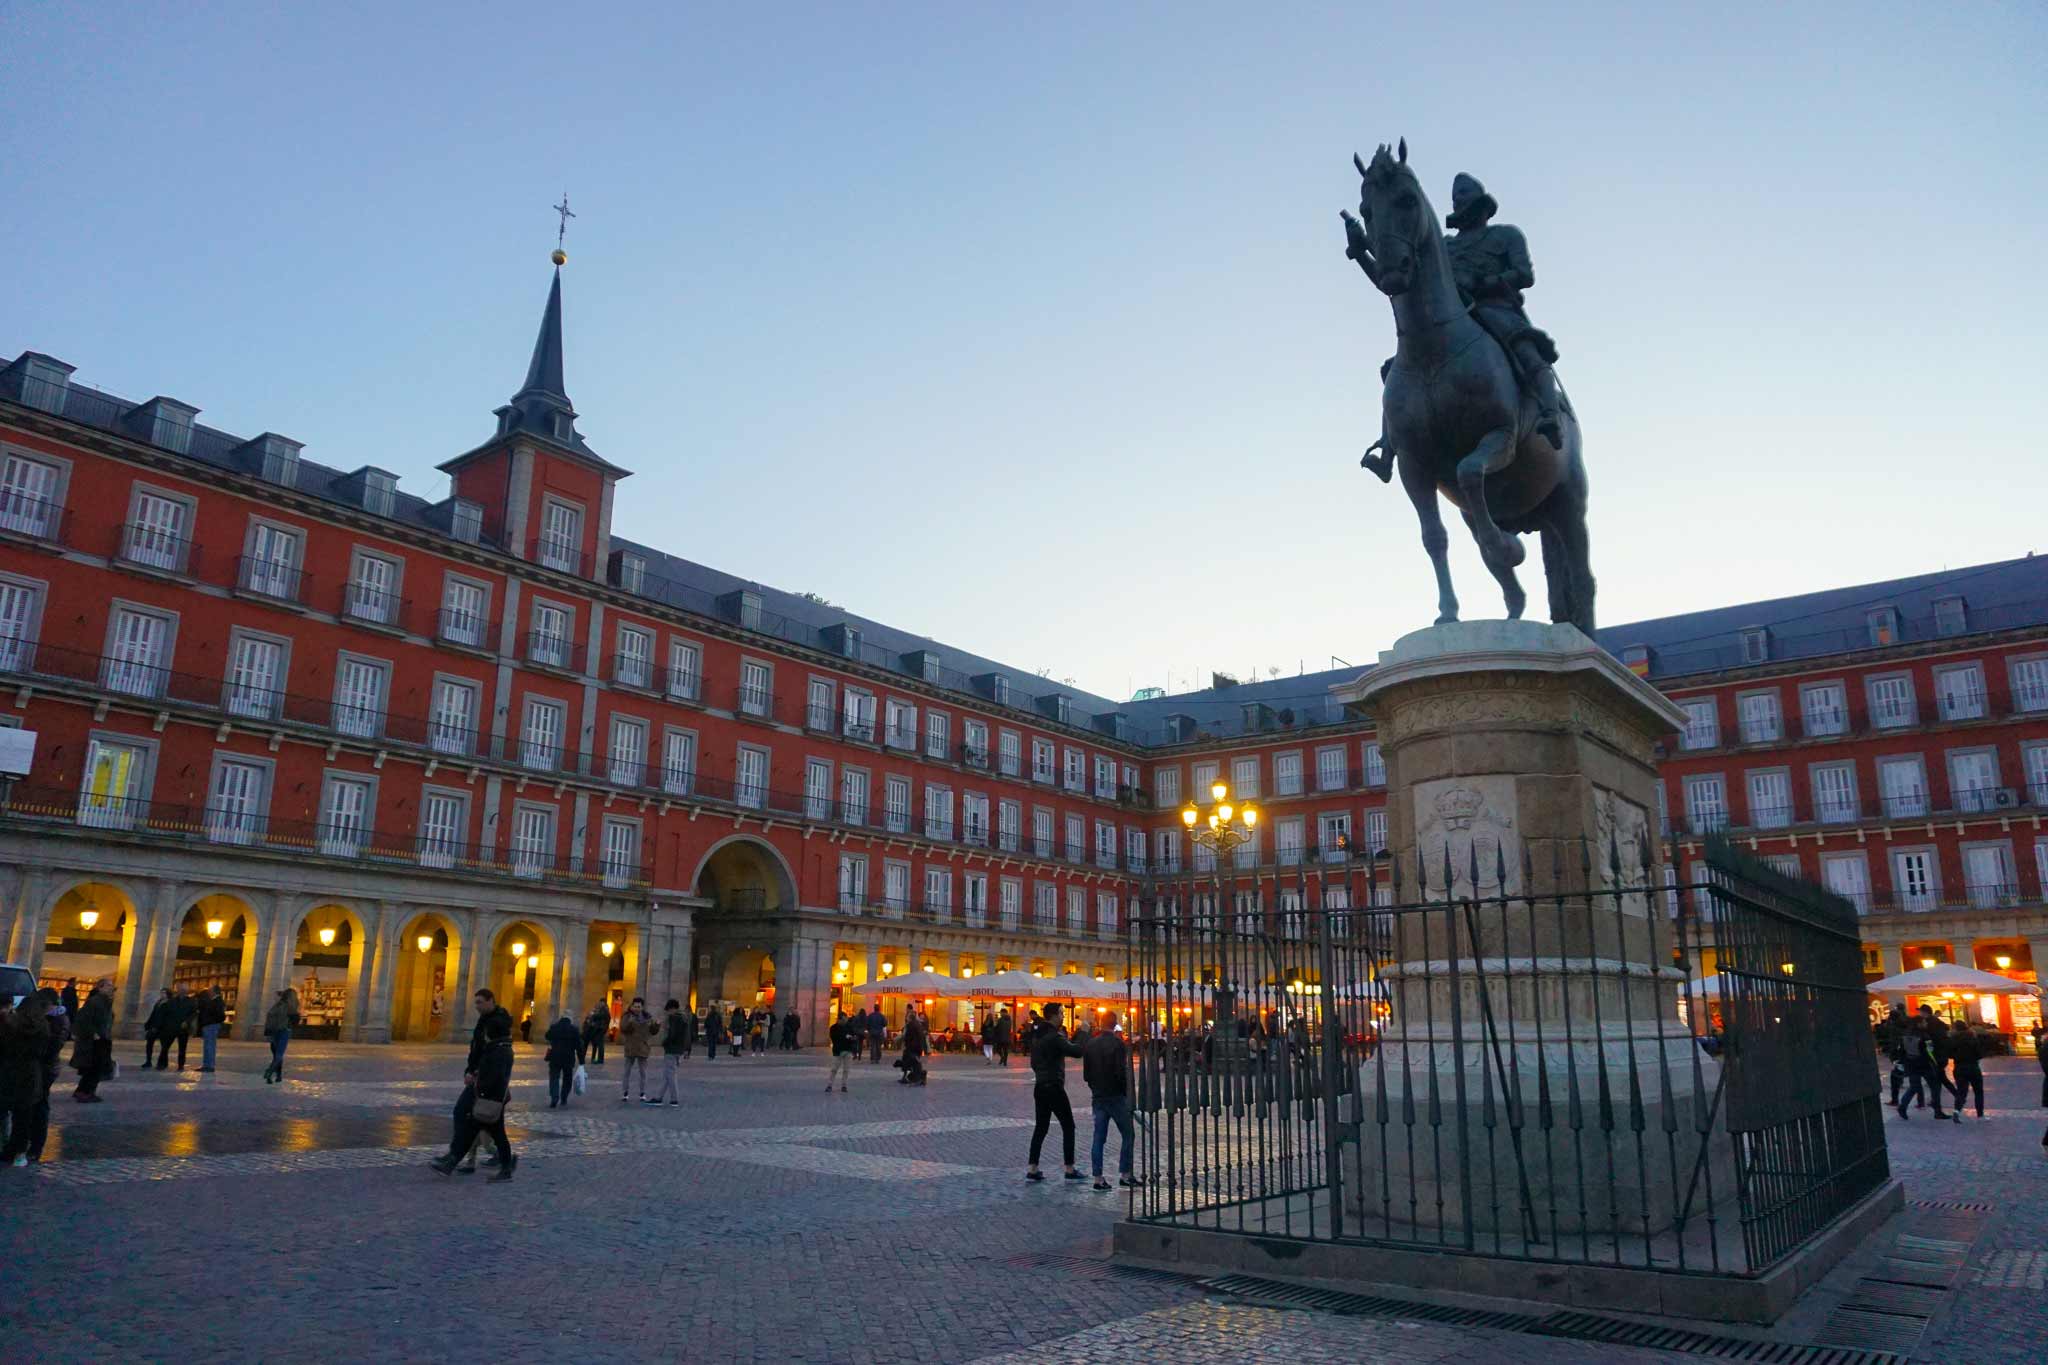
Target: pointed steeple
{"x": 544, "y": 375}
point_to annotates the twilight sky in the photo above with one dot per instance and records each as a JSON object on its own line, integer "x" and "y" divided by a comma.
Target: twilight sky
{"x": 1030, "y": 327}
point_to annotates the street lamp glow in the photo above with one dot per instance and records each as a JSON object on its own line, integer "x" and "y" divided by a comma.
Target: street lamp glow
{"x": 518, "y": 950}
{"x": 425, "y": 943}
{"x": 1927, "y": 962}
{"x": 1219, "y": 791}
{"x": 534, "y": 962}
{"x": 215, "y": 927}
{"x": 844, "y": 964}
{"x": 1189, "y": 815}
{"x": 888, "y": 969}
{"x": 1224, "y": 812}
{"x": 2002, "y": 960}
{"x": 327, "y": 937}
{"x": 88, "y": 918}
{"x": 607, "y": 947}
{"x": 1250, "y": 816}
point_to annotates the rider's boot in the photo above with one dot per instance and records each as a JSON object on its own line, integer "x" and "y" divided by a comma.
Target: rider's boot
{"x": 1543, "y": 383}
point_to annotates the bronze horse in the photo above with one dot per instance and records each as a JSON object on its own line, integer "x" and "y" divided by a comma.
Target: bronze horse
{"x": 1455, "y": 417}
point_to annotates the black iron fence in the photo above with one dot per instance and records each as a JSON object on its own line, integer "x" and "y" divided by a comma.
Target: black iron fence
{"x": 1498, "y": 1054}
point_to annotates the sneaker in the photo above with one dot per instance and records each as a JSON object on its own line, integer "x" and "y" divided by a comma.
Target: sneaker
{"x": 1130, "y": 1182}
{"x": 1074, "y": 1175}
{"x": 842, "y": 1090}
{"x": 490, "y": 1160}
{"x": 675, "y": 1104}
{"x": 503, "y": 1173}
{"x": 625, "y": 1099}
{"x": 1034, "y": 1175}
{"x": 21, "y": 1161}
{"x": 204, "y": 1069}
{"x": 443, "y": 1165}
{"x": 1101, "y": 1184}
{"x": 469, "y": 1169}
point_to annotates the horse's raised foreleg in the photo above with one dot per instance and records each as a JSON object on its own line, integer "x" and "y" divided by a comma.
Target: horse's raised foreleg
{"x": 1420, "y": 486}
{"x": 1504, "y": 574}
{"x": 1490, "y": 456}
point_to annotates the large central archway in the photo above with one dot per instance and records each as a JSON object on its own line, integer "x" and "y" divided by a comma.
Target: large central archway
{"x": 741, "y": 874}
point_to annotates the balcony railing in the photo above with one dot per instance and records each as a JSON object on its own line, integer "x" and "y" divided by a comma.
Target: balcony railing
{"x": 859, "y": 728}
{"x": 822, "y": 719}
{"x": 455, "y": 626}
{"x": 751, "y": 699}
{"x": 272, "y": 578}
{"x": 152, "y": 547}
{"x": 545, "y": 649}
{"x": 374, "y": 606}
{"x": 31, "y": 518}
{"x": 203, "y": 825}
{"x": 680, "y": 684}
{"x": 632, "y": 670}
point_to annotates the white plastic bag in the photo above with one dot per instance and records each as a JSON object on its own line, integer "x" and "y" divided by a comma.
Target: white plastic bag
{"x": 582, "y": 1079}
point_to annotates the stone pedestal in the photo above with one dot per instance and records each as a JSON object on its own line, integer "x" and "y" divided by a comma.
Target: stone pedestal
{"x": 1532, "y": 1059}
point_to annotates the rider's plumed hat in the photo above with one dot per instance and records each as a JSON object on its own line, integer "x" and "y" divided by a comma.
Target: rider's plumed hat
{"x": 1471, "y": 205}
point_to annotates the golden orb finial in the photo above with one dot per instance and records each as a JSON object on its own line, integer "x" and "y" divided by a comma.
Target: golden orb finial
{"x": 559, "y": 256}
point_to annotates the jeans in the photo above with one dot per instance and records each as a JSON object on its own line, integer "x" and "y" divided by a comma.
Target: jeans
{"x": 209, "y": 1041}
{"x": 1049, "y": 1102}
{"x": 627, "y": 1087}
{"x": 1112, "y": 1109}
{"x": 670, "y": 1091}
{"x": 561, "y": 1082}
{"x": 842, "y": 1067}
{"x": 278, "y": 1042}
{"x": 1917, "y": 1074}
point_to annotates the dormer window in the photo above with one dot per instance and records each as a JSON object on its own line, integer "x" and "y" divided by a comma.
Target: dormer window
{"x": 1756, "y": 645}
{"x": 280, "y": 461}
{"x": 380, "y": 491}
{"x": 1949, "y": 616}
{"x": 632, "y": 573}
{"x": 1884, "y": 625}
{"x": 466, "y": 521}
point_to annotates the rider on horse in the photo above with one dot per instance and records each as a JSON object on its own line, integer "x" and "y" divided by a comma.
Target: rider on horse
{"x": 1491, "y": 265}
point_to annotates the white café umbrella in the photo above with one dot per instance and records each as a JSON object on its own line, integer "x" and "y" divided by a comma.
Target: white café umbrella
{"x": 1948, "y": 976}
{"x": 1010, "y": 985}
{"x": 918, "y": 983}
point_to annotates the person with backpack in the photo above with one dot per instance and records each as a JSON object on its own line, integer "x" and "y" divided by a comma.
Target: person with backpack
{"x": 1923, "y": 1069}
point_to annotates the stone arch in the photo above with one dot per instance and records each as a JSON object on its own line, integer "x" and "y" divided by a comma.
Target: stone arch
{"x": 748, "y": 972}
{"x": 59, "y": 946}
{"x": 426, "y": 994}
{"x": 331, "y": 993}
{"x": 523, "y": 982}
{"x": 743, "y": 873}
{"x": 231, "y": 958}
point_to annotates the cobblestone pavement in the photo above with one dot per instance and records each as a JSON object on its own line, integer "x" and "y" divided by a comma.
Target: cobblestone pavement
{"x": 764, "y": 1219}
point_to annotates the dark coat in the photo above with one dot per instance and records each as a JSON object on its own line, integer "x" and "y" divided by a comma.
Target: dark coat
{"x": 158, "y": 1025}
{"x": 494, "y": 1071}
{"x": 24, "y": 1036}
{"x": 1106, "y": 1066}
{"x": 212, "y": 1010}
{"x": 183, "y": 1010}
{"x": 95, "y": 1017}
{"x": 675, "y": 1034}
{"x": 1050, "y": 1048}
{"x": 477, "y": 1041}
{"x": 876, "y": 1025}
{"x": 563, "y": 1039}
{"x": 845, "y": 1036}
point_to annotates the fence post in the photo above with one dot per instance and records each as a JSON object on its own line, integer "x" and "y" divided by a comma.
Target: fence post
{"x": 1333, "y": 1058}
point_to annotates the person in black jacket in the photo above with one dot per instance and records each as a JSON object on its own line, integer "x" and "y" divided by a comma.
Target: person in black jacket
{"x": 675, "y": 1045}
{"x": 156, "y": 1029}
{"x": 493, "y": 1084}
{"x": 1050, "y": 1048}
{"x": 1966, "y": 1048}
{"x": 183, "y": 1008}
{"x": 1006, "y": 1028}
{"x": 736, "y": 1030}
{"x": 24, "y": 1040}
{"x": 878, "y": 1029}
{"x": 211, "y": 1015}
{"x": 487, "y": 1009}
{"x": 1106, "y": 1066}
{"x": 563, "y": 1039}
{"x": 915, "y": 1037}
{"x": 845, "y": 1037}
{"x": 597, "y": 1027}
{"x": 58, "y": 1022}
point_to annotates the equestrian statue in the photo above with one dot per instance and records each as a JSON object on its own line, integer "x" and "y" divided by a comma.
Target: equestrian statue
{"x": 1471, "y": 406}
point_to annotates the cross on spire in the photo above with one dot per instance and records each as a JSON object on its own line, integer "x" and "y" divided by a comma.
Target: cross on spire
{"x": 563, "y": 209}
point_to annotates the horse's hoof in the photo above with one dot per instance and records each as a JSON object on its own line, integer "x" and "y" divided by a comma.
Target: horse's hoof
{"x": 1449, "y": 618}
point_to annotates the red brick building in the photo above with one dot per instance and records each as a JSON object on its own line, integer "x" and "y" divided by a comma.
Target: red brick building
{"x": 296, "y": 726}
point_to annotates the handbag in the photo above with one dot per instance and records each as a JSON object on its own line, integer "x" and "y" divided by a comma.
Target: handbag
{"x": 582, "y": 1079}
{"x": 486, "y": 1111}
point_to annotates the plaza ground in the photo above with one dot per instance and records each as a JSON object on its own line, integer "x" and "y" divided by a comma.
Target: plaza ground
{"x": 763, "y": 1220}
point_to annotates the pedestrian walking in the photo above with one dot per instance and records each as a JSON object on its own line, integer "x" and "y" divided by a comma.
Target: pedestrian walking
{"x": 1924, "y": 1080}
{"x": 878, "y": 1030}
{"x": 988, "y": 1041}
{"x": 738, "y": 1030}
{"x": 710, "y": 1030}
{"x": 490, "y": 1015}
{"x": 790, "y": 1025}
{"x": 595, "y": 1028}
{"x": 1050, "y": 1048}
{"x": 157, "y": 1029}
{"x": 92, "y": 1055}
{"x": 563, "y": 1040}
{"x": 492, "y": 1089}
{"x": 1891, "y": 1033}
{"x": 675, "y": 1045}
{"x": 24, "y": 1034}
{"x": 211, "y": 1012}
{"x": 845, "y": 1037}
{"x": 1106, "y": 1067}
{"x": 1966, "y": 1047}
{"x": 278, "y": 1023}
{"x": 1005, "y": 1030}
{"x": 68, "y": 997}
{"x": 636, "y": 1040}
{"x": 57, "y": 1022}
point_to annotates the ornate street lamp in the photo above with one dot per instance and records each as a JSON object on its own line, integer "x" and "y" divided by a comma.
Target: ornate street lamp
{"x": 607, "y": 947}
{"x": 425, "y": 943}
{"x": 87, "y": 919}
{"x": 1222, "y": 825}
{"x": 327, "y": 937}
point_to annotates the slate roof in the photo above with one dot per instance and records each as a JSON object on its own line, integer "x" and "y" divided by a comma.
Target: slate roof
{"x": 1998, "y": 596}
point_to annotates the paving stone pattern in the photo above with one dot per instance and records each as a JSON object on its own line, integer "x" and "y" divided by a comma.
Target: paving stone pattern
{"x": 761, "y": 1220}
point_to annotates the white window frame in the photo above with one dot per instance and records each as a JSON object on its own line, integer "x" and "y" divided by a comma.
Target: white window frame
{"x": 1972, "y": 797}
{"x": 1702, "y": 723}
{"x": 1244, "y": 778}
{"x": 246, "y": 826}
{"x": 1760, "y": 716}
{"x": 1824, "y": 708}
{"x": 821, "y": 704}
{"x": 678, "y": 760}
{"x": 853, "y": 883}
{"x": 1010, "y": 753}
{"x": 2000, "y": 892}
{"x": 1769, "y": 793}
{"x": 633, "y": 656}
{"x": 1959, "y": 691}
{"x": 272, "y": 575}
{"x": 756, "y": 695}
{"x": 32, "y": 507}
{"x": 1706, "y": 802}
{"x": 1895, "y": 712}
{"x": 442, "y": 737}
{"x": 369, "y": 601}
{"x": 619, "y": 851}
{"x": 526, "y": 855}
{"x": 460, "y": 623}
{"x": 148, "y": 541}
{"x": 1074, "y": 769}
{"x": 138, "y": 677}
{"x": 1044, "y": 760}
{"x": 441, "y": 844}
{"x": 751, "y": 775}
{"x": 1331, "y": 775}
{"x": 685, "y": 680}
{"x": 897, "y": 794}
{"x": 899, "y": 724}
{"x": 818, "y": 786}
{"x": 1911, "y": 802}
{"x": 2028, "y": 678}
{"x": 938, "y": 735}
{"x": 351, "y": 718}
{"x": 1834, "y": 803}
{"x": 1375, "y": 763}
{"x": 1926, "y": 895}
{"x": 1287, "y": 773}
{"x": 553, "y": 549}
{"x": 857, "y": 714}
{"x": 626, "y": 763}
{"x": 550, "y": 648}
{"x": 856, "y": 796}
{"x": 535, "y": 751}
{"x": 1166, "y": 787}
{"x": 338, "y": 840}
{"x": 245, "y": 697}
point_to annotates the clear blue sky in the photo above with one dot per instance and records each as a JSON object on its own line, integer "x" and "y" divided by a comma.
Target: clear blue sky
{"x": 1030, "y": 327}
